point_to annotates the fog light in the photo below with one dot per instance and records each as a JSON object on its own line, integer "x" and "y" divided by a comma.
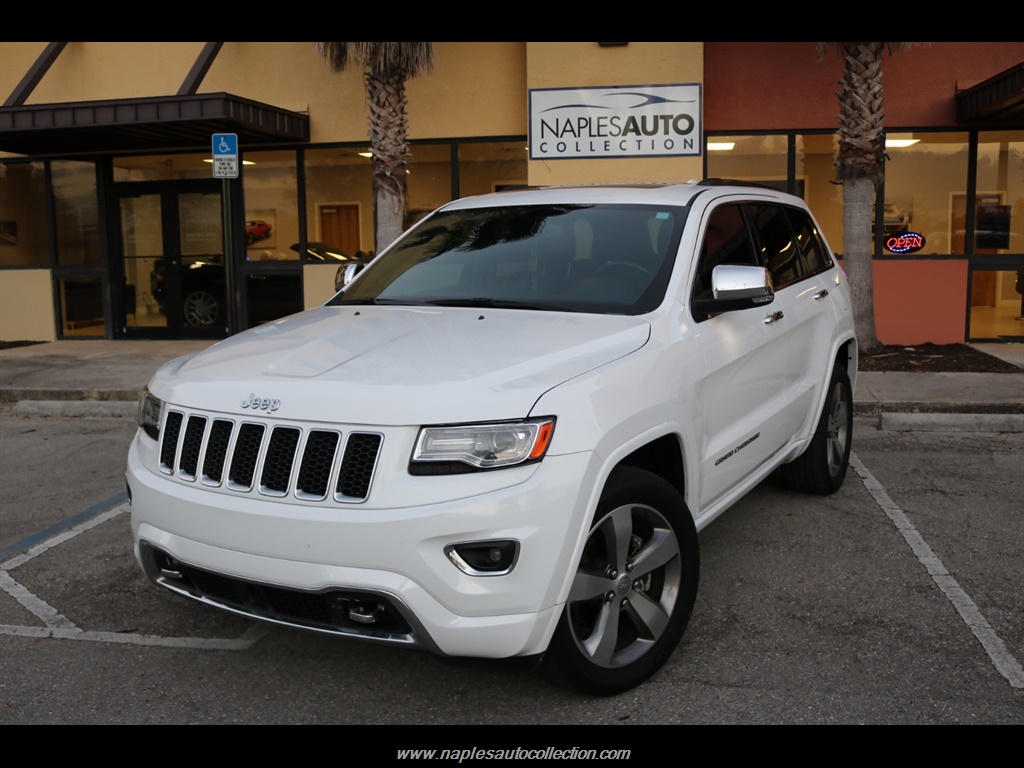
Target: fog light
{"x": 484, "y": 558}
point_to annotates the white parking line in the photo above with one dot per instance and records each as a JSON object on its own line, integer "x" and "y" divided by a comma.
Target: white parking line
{"x": 42, "y": 610}
{"x": 247, "y": 640}
{"x": 61, "y": 627}
{"x": 1003, "y": 660}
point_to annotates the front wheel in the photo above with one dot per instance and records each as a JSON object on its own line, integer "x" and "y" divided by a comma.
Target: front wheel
{"x": 634, "y": 588}
{"x": 201, "y": 309}
{"x": 821, "y": 469}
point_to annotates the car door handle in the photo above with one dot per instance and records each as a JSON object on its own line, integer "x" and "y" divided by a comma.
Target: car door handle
{"x": 773, "y": 317}
{"x": 821, "y": 294}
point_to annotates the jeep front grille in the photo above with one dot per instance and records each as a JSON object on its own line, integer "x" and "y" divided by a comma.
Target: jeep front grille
{"x": 313, "y": 464}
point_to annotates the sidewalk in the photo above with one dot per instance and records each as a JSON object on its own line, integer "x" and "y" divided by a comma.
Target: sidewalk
{"x": 104, "y": 377}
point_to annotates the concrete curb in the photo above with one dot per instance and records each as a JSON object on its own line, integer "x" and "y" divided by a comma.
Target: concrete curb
{"x": 894, "y": 421}
{"x": 15, "y": 395}
{"x": 76, "y": 408}
{"x": 878, "y": 407}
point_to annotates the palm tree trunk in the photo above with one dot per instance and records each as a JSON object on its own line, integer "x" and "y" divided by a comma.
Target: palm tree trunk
{"x": 389, "y": 128}
{"x": 860, "y": 168}
{"x": 858, "y": 200}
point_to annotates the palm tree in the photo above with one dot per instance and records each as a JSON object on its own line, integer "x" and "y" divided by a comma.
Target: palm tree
{"x": 386, "y": 67}
{"x": 860, "y": 168}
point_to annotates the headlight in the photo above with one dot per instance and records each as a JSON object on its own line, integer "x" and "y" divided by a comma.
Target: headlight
{"x": 150, "y": 408}
{"x": 462, "y": 448}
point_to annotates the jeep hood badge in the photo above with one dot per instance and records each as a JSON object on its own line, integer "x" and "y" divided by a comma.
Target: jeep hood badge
{"x": 261, "y": 403}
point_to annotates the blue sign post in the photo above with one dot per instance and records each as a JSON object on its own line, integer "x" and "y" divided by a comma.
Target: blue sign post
{"x": 225, "y": 155}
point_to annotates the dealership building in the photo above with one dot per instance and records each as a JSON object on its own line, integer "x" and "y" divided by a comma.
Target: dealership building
{"x": 193, "y": 190}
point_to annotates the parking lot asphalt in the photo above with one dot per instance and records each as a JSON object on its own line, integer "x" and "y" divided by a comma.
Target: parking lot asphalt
{"x": 78, "y": 378}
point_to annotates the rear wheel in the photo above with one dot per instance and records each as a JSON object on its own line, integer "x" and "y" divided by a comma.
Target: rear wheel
{"x": 821, "y": 469}
{"x": 634, "y": 588}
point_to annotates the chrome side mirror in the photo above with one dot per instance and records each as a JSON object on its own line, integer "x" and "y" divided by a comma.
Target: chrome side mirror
{"x": 736, "y": 281}
{"x": 346, "y": 274}
{"x": 733, "y": 287}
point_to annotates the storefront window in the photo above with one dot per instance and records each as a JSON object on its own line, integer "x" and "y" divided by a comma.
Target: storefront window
{"x": 23, "y": 238}
{"x": 430, "y": 180}
{"x": 273, "y": 288}
{"x": 815, "y": 177}
{"x": 765, "y": 160}
{"x": 77, "y": 212}
{"x": 749, "y": 158}
{"x": 271, "y": 296}
{"x": 997, "y": 305}
{"x": 997, "y": 293}
{"x": 999, "y": 215}
{"x": 271, "y": 206}
{"x": 492, "y": 167}
{"x": 926, "y": 189}
{"x": 143, "y": 253}
{"x": 163, "y": 167}
{"x": 81, "y": 307}
{"x": 339, "y": 202}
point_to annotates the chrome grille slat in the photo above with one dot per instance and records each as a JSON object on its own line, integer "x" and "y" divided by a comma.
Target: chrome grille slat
{"x": 314, "y": 464}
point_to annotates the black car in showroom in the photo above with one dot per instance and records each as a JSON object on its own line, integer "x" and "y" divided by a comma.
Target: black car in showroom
{"x": 270, "y": 296}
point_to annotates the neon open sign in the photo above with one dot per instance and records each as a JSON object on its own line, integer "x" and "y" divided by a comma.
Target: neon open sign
{"x": 905, "y": 242}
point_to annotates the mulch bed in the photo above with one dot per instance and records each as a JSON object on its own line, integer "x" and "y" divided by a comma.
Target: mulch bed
{"x": 934, "y": 358}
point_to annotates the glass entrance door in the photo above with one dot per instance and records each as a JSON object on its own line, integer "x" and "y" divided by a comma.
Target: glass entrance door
{"x": 172, "y": 254}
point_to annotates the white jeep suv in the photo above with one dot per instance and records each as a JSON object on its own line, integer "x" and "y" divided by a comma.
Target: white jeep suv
{"x": 502, "y": 437}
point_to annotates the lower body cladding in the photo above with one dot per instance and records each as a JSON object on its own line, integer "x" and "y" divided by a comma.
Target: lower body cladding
{"x": 379, "y": 575}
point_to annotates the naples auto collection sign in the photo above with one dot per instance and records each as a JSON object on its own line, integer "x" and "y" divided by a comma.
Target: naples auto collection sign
{"x": 617, "y": 121}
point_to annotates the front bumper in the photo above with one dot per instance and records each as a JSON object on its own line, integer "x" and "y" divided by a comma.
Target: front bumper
{"x": 350, "y": 558}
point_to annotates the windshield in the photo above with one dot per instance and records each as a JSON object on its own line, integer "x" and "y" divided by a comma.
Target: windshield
{"x": 612, "y": 259}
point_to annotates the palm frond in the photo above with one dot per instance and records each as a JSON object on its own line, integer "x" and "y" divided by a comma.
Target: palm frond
{"x": 336, "y": 55}
{"x": 891, "y": 48}
{"x": 387, "y": 60}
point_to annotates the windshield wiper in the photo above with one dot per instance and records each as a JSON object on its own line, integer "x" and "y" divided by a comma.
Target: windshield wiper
{"x": 380, "y": 302}
{"x": 496, "y": 304}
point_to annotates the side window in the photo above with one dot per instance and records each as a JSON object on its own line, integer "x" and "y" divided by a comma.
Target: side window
{"x": 816, "y": 255}
{"x": 726, "y": 241}
{"x": 778, "y": 245}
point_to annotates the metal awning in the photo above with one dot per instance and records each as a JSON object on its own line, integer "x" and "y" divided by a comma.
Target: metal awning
{"x": 1000, "y": 99}
{"x": 158, "y": 124}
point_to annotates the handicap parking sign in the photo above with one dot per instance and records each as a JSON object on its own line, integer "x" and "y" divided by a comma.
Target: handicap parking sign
{"x": 225, "y": 155}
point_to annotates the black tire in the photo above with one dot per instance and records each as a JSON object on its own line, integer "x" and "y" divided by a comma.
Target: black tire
{"x": 201, "y": 309}
{"x": 634, "y": 587}
{"x": 821, "y": 469}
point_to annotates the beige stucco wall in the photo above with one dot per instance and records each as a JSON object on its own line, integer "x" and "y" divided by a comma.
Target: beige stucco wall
{"x": 317, "y": 283}
{"x": 26, "y": 306}
{"x": 474, "y": 89}
{"x": 567, "y": 65}
{"x": 92, "y": 71}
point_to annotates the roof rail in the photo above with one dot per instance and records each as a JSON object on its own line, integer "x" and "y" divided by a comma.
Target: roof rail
{"x": 714, "y": 182}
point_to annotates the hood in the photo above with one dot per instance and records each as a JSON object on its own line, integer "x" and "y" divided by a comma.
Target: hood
{"x": 399, "y": 365}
